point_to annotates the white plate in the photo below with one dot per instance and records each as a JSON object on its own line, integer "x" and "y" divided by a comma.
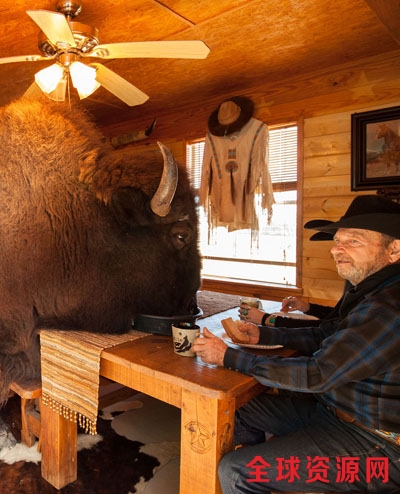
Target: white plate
{"x": 294, "y": 315}
{"x": 247, "y": 345}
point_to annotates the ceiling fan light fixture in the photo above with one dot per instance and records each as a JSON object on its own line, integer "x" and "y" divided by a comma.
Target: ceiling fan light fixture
{"x": 59, "y": 92}
{"x": 65, "y": 41}
{"x": 48, "y": 79}
{"x": 83, "y": 79}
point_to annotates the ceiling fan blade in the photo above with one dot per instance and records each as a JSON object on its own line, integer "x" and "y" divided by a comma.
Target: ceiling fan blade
{"x": 23, "y": 58}
{"x": 151, "y": 49}
{"x": 119, "y": 86}
{"x": 54, "y": 25}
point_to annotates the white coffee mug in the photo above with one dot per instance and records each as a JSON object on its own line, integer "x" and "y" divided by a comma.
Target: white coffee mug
{"x": 183, "y": 336}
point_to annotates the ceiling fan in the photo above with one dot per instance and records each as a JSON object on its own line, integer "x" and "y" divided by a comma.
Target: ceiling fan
{"x": 67, "y": 42}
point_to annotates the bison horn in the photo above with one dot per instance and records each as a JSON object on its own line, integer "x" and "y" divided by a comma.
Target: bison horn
{"x": 161, "y": 201}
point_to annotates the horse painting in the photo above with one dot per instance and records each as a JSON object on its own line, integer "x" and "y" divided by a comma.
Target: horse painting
{"x": 390, "y": 148}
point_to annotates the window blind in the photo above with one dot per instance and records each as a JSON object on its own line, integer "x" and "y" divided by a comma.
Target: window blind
{"x": 282, "y": 160}
{"x": 194, "y": 161}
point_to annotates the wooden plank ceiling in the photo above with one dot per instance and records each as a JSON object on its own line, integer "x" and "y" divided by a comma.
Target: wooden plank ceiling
{"x": 250, "y": 41}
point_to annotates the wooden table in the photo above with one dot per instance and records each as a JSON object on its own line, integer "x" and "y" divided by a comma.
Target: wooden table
{"x": 207, "y": 396}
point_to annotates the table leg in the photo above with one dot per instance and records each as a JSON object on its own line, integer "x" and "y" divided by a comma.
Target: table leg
{"x": 59, "y": 448}
{"x": 206, "y": 435}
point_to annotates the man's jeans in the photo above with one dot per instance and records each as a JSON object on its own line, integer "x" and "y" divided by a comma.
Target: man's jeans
{"x": 330, "y": 455}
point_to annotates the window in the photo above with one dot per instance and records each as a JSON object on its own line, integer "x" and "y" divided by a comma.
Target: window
{"x": 271, "y": 258}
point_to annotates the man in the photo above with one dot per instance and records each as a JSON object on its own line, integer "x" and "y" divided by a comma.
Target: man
{"x": 336, "y": 420}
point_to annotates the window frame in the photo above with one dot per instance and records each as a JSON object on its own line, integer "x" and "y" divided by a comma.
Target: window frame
{"x": 268, "y": 290}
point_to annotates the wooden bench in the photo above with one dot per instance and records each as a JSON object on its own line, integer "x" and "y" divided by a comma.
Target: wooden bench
{"x": 30, "y": 393}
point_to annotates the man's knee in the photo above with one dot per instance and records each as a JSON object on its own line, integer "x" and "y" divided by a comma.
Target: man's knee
{"x": 225, "y": 465}
{"x": 226, "y": 473}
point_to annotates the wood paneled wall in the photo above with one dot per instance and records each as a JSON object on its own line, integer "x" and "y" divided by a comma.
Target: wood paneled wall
{"x": 324, "y": 102}
{"x": 326, "y": 194}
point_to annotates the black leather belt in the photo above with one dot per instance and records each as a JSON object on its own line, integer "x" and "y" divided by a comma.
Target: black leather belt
{"x": 345, "y": 417}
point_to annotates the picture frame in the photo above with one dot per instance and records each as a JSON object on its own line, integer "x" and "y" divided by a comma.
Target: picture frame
{"x": 375, "y": 149}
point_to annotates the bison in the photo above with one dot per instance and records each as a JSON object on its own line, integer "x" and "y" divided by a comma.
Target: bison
{"x": 88, "y": 237}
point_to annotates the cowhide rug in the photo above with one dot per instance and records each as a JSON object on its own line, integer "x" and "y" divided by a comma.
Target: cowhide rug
{"x": 136, "y": 450}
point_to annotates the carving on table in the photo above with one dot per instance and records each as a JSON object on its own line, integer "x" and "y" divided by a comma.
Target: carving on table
{"x": 200, "y": 437}
{"x": 224, "y": 439}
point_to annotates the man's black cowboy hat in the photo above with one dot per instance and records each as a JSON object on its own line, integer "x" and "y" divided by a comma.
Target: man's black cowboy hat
{"x": 369, "y": 212}
{"x": 246, "y": 112}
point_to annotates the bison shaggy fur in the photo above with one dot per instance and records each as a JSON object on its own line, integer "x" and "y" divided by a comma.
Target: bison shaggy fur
{"x": 80, "y": 247}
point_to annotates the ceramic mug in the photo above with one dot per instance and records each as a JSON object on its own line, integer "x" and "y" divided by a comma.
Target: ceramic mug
{"x": 251, "y": 302}
{"x": 183, "y": 336}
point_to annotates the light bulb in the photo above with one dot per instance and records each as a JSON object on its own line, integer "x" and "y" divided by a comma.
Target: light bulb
{"x": 59, "y": 92}
{"x": 83, "y": 79}
{"x": 48, "y": 78}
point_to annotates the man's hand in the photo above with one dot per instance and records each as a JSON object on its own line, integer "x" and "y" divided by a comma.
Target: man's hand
{"x": 210, "y": 348}
{"x": 294, "y": 303}
{"x": 252, "y": 330}
{"x": 251, "y": 314}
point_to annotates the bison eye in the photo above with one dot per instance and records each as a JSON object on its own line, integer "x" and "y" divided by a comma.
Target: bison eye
{"x": 180, "y": 241}
{"x": 181, "y": 235}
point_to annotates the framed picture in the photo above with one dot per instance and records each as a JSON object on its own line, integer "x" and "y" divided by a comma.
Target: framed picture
{"x": 375, "y": 149}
